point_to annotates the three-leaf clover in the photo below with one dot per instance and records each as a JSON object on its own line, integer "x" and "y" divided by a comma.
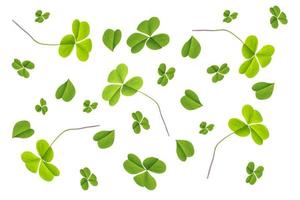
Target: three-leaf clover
{"x": 191, "y": 48}
{"x": 228, "y": 16}
{"x": 143, "y": 178}
{"x": 22, "y": 129}
{"x": 190, "y": 100}
{"x": 205, "y": 128}
{"x": 111, "y": 38}
{"x": 104, "y": 138}
{"x": 42, "y": 107}
{"x": 66, "y": 91}
{"x": 88, "y": 106}
{"x": 112, "y": 92}
{"x": 255, "y": 59}
{"x": 40, "y": 16}
{"x": 88, "y": 178}
{"x": 253, "y": 125}
{"x": 81, "y": 31}
{"x": 263, "y": 90}
{"x": 218, "y": 72}
{"x": 165, "y": 75}
{"x": 22, "y": 67}
{"x": 41, "y": 163}
{"x": 184, "y": 149}
{"x": 253, "y": 174}
{"x": 277, "y": 15}
{"x": 146, "y": 28}
{"x": 139, "y": 120}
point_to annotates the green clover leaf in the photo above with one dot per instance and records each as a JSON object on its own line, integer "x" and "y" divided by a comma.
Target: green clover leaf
{"x": 253, "y": 174}
{"x": 88, "y": 178}
{"x": 40, "y": 16}
{"x": 42, "y": 107}
{"x": 137, "y": 41}
{"x": 111, "y": 38}
{"x": 191, "y": 48}
{"x": 262, "y": 58}
{"x": 263, "y": 90}
{"x": 22, "y": 67}
{"x": 190, "y": 100}
{"x": 79, "y": 39}
{"x": 22, "y": 129}
{"x": 165, "y": 75}
{"x": 33, "y": 163}
{"x": 277, "y": 15}
{"x": 228, "y": 16}
{"x": 206, "y": 128}
{"x": 253, "y": 125}
{"x": 139, "y": 120}
{"x": 88, "y": 106}
{"x": 143, "y": 178}
{"x": 66, "y": 91}
{"x": 104, "y": 138}
{"x": 218, "y": 72}
{"x": 112, "y": 92}
{"x": 184, "y": 149}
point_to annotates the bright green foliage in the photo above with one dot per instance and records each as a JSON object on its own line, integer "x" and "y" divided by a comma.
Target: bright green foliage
{"x": 42, "y": 107}
{"x": 142, "y": 171}
{"x": 112, "y": 92}
{"x": 22, "y": 67}
{"x": 205, "y": 128}
{"x": 88, "y": 178}
{"x": 253, "y": 174}
{"x": 81, "y": 31}
{"x": 255, "y": 59}
{"x": 218, "y": 72}
{"x": 190, "y": 100}
{"x": 263, "y": 90}
{"x": 66, "y": 91}
{"x": 191, "y": 48}
{"x": 146, "y": 28}
{"x": 22, "y": 129}
{"x": 165, "y": 75}
{"x": 184, "y": 149}
{"x": 139, "y": 120}
{"x": 40, "y": 16}
{"x": 41, "y": 163}
{"x": 277, "y": 15}
{"x": 253, "y": 125}
{"x": 228, "y": 16}
{"x": 111, "y": 38}
{"x": 88, "y": 106}
{"x": 104, "y": 138}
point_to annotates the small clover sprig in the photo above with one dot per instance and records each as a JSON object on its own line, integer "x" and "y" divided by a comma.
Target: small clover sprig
{"x": 88, "y": 178}
{"x": 218, "y": 72}
{"x": 205, "y": 128}
{"x": 139, "y": 121}
{"x": 88, "y": 106}
{"x": 253, "y": 174}
{"x": 277, "y": 15}
{"x": 165, "y": 75}
{"x": 228, "y": 16}
{"x": 23, "y": 67}
{"x": 40, "y": 16}
{"x": 42, "y": 107}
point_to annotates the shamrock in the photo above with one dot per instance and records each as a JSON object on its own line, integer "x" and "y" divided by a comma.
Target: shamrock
{"x": 140, "y": 120}
{"x": 165, "y": 75}
{"x": 252, "y": 126}
{"x": 143, "y": 178}
{"x": 262, "y": 58}
{"x": 228, "y": 16}
{"x": 40, "y": 16}
{"x": 80, "y": 30}
{"x": 88, "y": 178}
{"x": 22, "y": 67}
{"x": 206, "y": 128}
{"x": 218, "y": 71}
{"x": 42, "y": 107}
{"x": 191, "y": 48}
{"x": 111, "y": 38}
{"x": 41, "y": 163}
{"x": 146, "y": 28}
{"x": 277, "y": 15}
{"x": 22, "y": 129}
{"x": 88, "y": 106}
{"x": 112, "y": 92}
{"x": 253, "y": 175}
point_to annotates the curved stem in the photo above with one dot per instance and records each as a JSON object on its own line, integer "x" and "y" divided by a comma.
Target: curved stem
{"x": 214, "y": 153}
{"x": 159, "y": 109}
{"x": 216, "y": 30}
{"x": 36, "y": 41}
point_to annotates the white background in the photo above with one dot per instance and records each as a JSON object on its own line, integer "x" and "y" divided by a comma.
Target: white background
{"x": 182, "y": 180}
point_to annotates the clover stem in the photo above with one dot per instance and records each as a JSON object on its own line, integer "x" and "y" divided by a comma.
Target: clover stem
{"x": 216, "y": 30}
{"x": 214, "y": 153}
{"x": 159, "y": 109}
{"x": 41, "y": 43}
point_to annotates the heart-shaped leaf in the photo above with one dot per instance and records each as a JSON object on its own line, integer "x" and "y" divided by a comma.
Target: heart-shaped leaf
{"x": 66, "y": 91}
{"x": 184, "y": 149}
{"x": 111, "y": 38}
{"x": 158, "y": 41}
{"x": 22, "y": 129}
{"x": 118, "y": 75}
{"x": 132, "y": 86}
{"x": 190, "y": 100}
{"x": 251, "y": 116}
{"x": 105, "y": 138}
{"x": 136, "y": 42}
{"x": 133, "y": 164}
{"x": 145, "y": 180}
{"x": 112, "y": 94}
{"x": 263, "y": 90}
{"x": 149, "y": 26}
{"x": 239, "y": 127}
{"x": 154, "y": 165}
{"x": 191, "y": 48}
